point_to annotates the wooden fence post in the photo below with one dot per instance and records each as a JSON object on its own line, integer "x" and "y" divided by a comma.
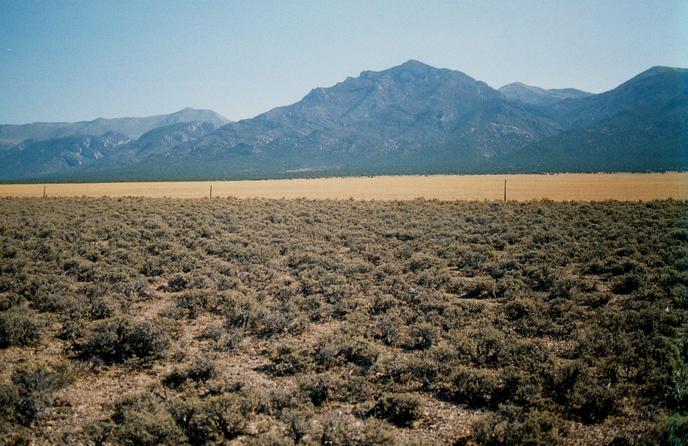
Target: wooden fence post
{"x": 505, "y": 191}
{"x": 44, "y": 191}
{"x": 211, "y": 191}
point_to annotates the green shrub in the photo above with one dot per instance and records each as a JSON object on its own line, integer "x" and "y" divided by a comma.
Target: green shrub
{"x": 675, "y": 430}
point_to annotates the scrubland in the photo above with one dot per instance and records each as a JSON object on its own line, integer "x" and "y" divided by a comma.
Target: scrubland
{"x": 282, "y": 322}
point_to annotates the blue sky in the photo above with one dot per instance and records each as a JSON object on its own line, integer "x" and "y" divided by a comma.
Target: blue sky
{"x": 78, "y": 60}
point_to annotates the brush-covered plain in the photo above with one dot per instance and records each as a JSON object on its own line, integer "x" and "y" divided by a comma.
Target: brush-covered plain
{"x": 282, "y": 322}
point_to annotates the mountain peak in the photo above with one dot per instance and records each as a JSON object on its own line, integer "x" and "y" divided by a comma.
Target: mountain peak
{"x": 414, "y": 63}
{"x": 413, "y": 66}
{"x": 659, "y": 69}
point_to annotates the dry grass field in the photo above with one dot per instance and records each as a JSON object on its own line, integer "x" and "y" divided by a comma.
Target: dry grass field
{"x": 139, "y": 321}
{"x": 559, "y": 187}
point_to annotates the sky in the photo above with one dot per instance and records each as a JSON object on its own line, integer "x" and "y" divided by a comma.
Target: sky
{"x": 79, "y": 60}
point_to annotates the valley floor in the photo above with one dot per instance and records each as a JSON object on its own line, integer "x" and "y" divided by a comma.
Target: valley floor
{"x": 520, "y": 187}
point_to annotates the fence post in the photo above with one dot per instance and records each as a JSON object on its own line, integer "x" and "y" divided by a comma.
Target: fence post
{"x": 211, "y": 191}
{"x": 505, "y": 191}
{"x": 44, "y": 191}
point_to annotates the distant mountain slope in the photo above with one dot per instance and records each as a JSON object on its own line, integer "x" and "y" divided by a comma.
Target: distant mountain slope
{"x": 159, "y": 140}
{"x": 410, "y": 119}
{"x": 408, "y": 113}
{"x": 37, "y": 158}
{"x": 650, "y": 138}
{"x": 527, "y": 94}
{"x": 81, "y": 152}
{"x": 652, "y": 88}
{"x": 131, "y": 127}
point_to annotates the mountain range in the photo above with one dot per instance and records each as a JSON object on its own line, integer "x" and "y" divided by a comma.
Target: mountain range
{"x": 412, "y": 118}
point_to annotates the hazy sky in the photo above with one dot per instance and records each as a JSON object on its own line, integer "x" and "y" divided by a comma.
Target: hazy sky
{"x": 78, "y": 60}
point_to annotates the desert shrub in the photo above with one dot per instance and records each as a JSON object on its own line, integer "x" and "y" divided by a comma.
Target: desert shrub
{"x": 591, "y": 401}
{"x": 479, "y": 288}
{"x": 18, "y": 328}
{"x": 140, "y": 420}
{"x": 152, "y": 268}
{"x": 274, "y": 322}
{"x": 213, "y": 420}
{"x": 175, "y": 378}
{"x": 200, "y": 370}
{"x": 119, "y": 339}
{"x": 177, "y": 283}
{"x": 29, "y": 394}
{"x": 81, "y": 270}
{"x": 359, "y": 351}
{"x": 421, "y": 337}
{"x": 9, "y": 300}
{"x": 399, "y": 409}
{"x": 48, "y": 301}
{"x": 473, "y": 387}
{"x": 192, "y": 303}
{"x": 486, "y": 346}
{"x": 230, "y": 341}
{"x": 540, "y": 277}
{"x": 344, "y": 430}
{"x": 388, "y": 329}
{"x": 626, "y": 284}
{"x": 318, "y": 389}
{"x": 240, "y": 311}
{"x": 298, "y": 424}
{"x": 287, "y": 359}
{"x": 511, "y": 426}
{"x": 102, "y": 308}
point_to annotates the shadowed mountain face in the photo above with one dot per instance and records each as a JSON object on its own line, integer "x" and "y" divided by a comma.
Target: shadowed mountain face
{"x": 412, "y": 118}
{"x": 74, "y": 153}
{"x": 645, "y": 93}
{"x": 131, "y": 127}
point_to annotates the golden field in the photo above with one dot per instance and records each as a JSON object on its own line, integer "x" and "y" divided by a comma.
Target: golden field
{"x": 559, "y": 187}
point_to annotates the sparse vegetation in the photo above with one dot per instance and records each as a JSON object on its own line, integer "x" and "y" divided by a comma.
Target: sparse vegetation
{"x": 141, "y": 321}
